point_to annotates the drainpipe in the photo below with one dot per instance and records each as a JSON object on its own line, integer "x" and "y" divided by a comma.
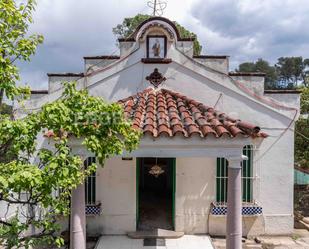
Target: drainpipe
{"x": 78, "y": 219}
{"x": 234, "y": 204}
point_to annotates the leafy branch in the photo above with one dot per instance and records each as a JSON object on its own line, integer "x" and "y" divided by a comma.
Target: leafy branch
{"x": 33, "y": 179}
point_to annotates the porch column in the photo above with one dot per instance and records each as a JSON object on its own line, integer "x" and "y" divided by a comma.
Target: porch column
{"x": 78, "y": 219}
{"x": 234, "y": 204}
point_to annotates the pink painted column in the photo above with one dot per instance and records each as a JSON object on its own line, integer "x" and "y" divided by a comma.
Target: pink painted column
{"x": 234, "y": 204}
{"x": 78, "y": 219}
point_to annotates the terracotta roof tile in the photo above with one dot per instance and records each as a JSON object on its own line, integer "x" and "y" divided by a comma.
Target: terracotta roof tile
{"x": 167, "y": 113}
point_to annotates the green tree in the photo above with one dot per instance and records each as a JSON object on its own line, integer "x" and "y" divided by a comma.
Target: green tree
{"x": 302, "y": 132}
{"x": 15, "y": 44}
{"x": 293, "y": 71}
{"x": 45, "y": 184}
{"x": 261, "y": 66}
{"x": 129, "y": 25}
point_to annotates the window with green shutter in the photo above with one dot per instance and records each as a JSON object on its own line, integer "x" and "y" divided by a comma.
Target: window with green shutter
{"x": 247, "y": 173}
{"x": 90, "y": 183}
{"x": 247, "y": 179}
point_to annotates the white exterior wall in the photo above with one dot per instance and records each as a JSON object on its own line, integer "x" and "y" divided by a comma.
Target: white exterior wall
{"x": 125, "y": 47}
{"x": 277, "y": 182}
{"x": 186, "y": 47}
{"x": 195, "y": 191}
{"x": 55, "y": 82}
{"x": 221, "y": 65}
{"x": 116, "y": 190}
{"x": 37, "y": 95}
{"x": 5, "y": 212}
{"x": 291, "y": 99}
{"x": 95, "y": 64}
{"x": 254, "y": 83}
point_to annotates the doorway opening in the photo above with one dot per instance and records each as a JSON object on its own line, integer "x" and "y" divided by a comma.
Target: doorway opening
{"x": 155, "y": 194}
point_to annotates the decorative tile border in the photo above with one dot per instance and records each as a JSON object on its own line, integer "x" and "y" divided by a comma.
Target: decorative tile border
{"x": 93, "y": 210}
{"x": 246, "y": 210}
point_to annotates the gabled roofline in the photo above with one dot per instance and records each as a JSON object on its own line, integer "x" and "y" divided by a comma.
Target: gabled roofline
{"x": 103, "y": 57}
{"x": 126, "y": 39}
{"x": 283, "y": 91}
{"x": 39, "y": 91}
{"x": 256, "y": 74}
{"x": 269, "y": 104}
{"x": 65, "y": 74}
{"x": 211, "y": 56}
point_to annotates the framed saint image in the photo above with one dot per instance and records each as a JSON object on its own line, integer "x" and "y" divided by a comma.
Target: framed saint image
{"x": 156, "y": 47}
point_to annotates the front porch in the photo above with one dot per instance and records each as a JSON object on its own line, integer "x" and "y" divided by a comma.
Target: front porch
{"x": 195, "y": 135}
{"x": 194, "y": 209}
{"x": 116, "y": 187}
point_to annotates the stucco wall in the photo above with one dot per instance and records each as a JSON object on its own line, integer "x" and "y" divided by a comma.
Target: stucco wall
{"x": 195, "y": 191}
{"x": 276, "y": 160}
{"x": 116, "y": 189}
{"x": 221, "y": 65}
{"x": 96, "y": 64}
{"x": 55, "y": 82}
{"x": 5, "y": 212}
{"x": 287, "y": 98}
{"x": 254, "y": 83}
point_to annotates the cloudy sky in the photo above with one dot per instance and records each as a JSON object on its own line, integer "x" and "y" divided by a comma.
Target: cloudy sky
{"x": 244, "y": 29}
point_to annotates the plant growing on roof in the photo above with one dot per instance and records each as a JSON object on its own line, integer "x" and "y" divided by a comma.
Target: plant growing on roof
{"x": 31, "y": 184}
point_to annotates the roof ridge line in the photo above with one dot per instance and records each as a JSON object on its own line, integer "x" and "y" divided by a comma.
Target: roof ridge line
{"x": 251, "y": 96}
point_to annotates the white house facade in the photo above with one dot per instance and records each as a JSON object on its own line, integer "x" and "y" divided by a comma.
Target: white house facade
{"x": 199, "y": 122}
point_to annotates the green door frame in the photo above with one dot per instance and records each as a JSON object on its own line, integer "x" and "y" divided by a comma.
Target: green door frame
{"x": 174, "y": 192}
{"x": 138, "y": 165}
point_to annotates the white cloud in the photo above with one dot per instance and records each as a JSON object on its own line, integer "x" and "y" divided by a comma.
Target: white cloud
{"x": 263, "y": 28}
{"x": 244, "y": 29}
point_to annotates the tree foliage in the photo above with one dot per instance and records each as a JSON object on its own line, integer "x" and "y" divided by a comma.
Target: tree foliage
{"x": 15, "y": 44}
{"x": 43, "y": 185}
{"x": 129, "y": 25}
{"x": 302, "y": 132}
{"x": 293, "y": 70}
{"x": 287, "y": 73}
{"x": 261, "y": 66}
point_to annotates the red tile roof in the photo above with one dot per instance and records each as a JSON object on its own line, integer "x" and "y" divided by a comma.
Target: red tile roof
{"x": 162, "y": 111}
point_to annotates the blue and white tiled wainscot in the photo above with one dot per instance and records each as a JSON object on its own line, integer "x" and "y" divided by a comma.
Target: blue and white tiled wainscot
{"x": 252, "y": 221}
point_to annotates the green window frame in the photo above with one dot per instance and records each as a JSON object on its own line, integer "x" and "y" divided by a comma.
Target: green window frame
{"x": 246, "y": 175}
{"x": 90, "y": 183}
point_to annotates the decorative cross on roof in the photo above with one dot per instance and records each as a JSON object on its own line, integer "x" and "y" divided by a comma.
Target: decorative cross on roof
{"x": 157, "y": 6}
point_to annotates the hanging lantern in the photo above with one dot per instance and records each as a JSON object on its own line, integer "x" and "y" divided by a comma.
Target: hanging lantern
{"x": 156, "y": 170}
